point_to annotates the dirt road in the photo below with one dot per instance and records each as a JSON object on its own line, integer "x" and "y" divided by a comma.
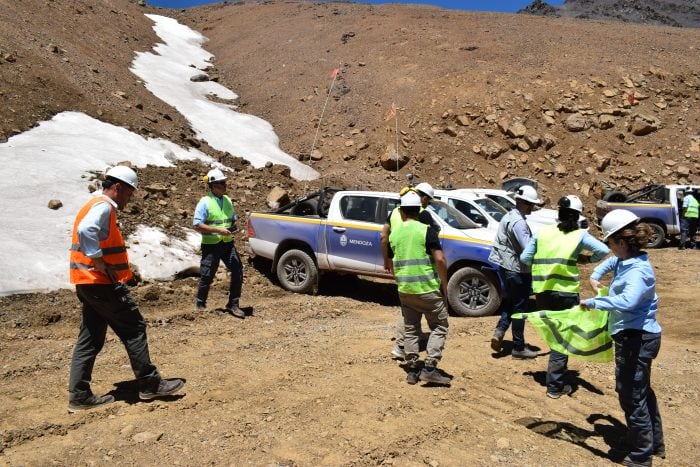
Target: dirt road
{"x": 308, "y": 380}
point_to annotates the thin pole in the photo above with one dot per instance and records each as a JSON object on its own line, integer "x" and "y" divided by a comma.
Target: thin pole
{"x": 318, "y": 128}
{"x": 396, "y": 130}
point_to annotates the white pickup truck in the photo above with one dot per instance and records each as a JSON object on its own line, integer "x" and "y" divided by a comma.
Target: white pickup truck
{"x": 486, "y": 206}
{"x": 339, "y": 230}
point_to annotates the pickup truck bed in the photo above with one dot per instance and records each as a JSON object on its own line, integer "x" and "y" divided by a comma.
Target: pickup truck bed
{"x": 661, "y": 212}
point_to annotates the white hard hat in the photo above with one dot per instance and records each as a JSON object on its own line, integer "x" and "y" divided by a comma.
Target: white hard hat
{"x": 215, "y": 175}
{"x": 571, "y": 202}
{"x": 123, "y": 174}
{"x": 410, "y": 199}
{"x": 616, "y": 220}
{"x": 426, "y": 189}
{"x": 528, "y": 194}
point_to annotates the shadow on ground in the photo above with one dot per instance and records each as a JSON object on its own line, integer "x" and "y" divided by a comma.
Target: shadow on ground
{"x": 613, "y": 433}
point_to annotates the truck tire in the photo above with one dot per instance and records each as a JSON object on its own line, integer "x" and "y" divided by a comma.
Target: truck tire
{"x": 615, "y": 197}
{"x": 297, "y": 272}
{"x": 658, "y": 237}
{"x": 470, "y": 292}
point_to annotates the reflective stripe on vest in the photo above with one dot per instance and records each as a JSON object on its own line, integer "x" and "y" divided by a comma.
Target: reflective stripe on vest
{"x": 582, "y": 334}
{"x": 218, "y": 216}
{"x": 413, "y": 268}
{"x": 554, "y": 266}
{"x": 691, "y": 212}
{"x": 82, "y": 268}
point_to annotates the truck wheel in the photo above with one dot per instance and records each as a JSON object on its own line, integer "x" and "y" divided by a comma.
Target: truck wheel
{"x": 470, "y": 292}
{"x": 658, "y": 237}
{"x": 297, "y": 272}
{"x": 615, "y": 197}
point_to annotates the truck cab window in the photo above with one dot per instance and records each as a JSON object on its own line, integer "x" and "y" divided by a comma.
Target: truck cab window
{"x": 359, "y": 208}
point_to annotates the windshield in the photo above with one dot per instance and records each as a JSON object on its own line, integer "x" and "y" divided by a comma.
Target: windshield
{"x": 491, "y": 207}
{"x": 450, "y": 215}
{"x": 505, "y": 202}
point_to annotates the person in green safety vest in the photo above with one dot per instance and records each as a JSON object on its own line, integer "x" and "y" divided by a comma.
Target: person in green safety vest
{"x": 689, "y": 220}
{"x": 554, "y": 253}
{"x": 214, "y": 218}
{"x": 426, "y": 192}
{"x": 632, "y": 304}
{"x": 420, "y": 271}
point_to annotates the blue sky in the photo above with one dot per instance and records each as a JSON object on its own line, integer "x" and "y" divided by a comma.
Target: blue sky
{"x": 481, "y": 5}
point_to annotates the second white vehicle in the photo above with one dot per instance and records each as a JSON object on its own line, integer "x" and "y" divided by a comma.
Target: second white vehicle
{"x": 460, "y": 198}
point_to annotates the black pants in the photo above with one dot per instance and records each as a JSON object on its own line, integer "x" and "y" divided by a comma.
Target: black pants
{"x": 689, "y": 227}
{"x": 634, "y": 352}
{"x": 558, "y": 362}
{"x": 109, "y": 305}
{"x": 211, "y": 255}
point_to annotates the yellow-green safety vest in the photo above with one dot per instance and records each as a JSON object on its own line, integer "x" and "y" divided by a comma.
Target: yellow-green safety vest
{"x": 414, "y": 269}
{"x": 218, "y": 216}
{"x": 554, "y": 267}
{"x": 395, "y": 218}
{"x": 691, "y": 212}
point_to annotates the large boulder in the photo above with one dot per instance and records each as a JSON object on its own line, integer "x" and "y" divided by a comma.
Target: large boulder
{"x": 392, "y": 160}
{"x": 644, "y": 124}
{"x": 277, "y": 197}
{"x": 492, "y": 150}
{"x": 577, "y": 122}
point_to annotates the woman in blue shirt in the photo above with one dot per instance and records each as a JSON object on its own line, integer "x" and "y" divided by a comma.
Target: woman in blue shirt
{"x": 632, "y": 303}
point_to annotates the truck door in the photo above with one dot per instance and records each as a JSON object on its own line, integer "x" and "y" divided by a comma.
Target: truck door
{"x": 353, "y": 240}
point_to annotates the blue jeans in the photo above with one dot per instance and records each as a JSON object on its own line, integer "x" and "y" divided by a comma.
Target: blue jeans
{"x": 518, "y": 287}
{"x": 634, "y": 352}
{"x": 211, "y": 255}
{"x": 558, "y": 362}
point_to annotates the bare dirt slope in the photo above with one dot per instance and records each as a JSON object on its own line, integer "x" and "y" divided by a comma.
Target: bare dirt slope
{"x": 309, "y": 381}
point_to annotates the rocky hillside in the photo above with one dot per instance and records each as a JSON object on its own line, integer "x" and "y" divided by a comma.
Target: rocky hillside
{"x": 678, "y": 13}
{"x": 480, "y": 97}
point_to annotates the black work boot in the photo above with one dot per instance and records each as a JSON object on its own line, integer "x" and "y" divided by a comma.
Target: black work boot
{"x": 166, "y": 387}
{"x": 412, "y": 368}
{"x": 433, "y": 375}
{"x": 497, "y": 340}
{"x": 89, "y": 403}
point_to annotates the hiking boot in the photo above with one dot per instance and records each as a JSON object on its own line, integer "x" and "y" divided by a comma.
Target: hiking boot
{"x": 497, "y": 340}
{"x": 412, "y": 377}
{"x": 565, "y": 391}
{"x": 89, "y": 403}
{"x": 398, "y": 352}
{"x": 434, "y": 376}
{"x": 524, "y": 353}
{"x": 633, "y": 463}
{"x": 165, "y": 388}
{"x": 235, "y": 311}
{"x": 660, "y": 452}
{"x": 200, "y": 307}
